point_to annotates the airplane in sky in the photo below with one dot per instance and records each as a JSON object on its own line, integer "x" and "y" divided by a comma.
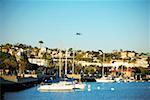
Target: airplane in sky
{"x": 78, "y": 33}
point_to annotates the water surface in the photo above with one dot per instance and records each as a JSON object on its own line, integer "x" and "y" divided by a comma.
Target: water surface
{"x": 97, "y": 91}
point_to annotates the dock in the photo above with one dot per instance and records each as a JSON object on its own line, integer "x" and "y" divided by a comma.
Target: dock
{"x": 21, "y": 84}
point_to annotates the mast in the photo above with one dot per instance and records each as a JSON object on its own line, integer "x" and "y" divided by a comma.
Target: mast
{"x": 73, "y": 63}
{"x": 60, "y": 66}
{"x": 103, "y": 64}
{"x": 103, "y": 59}
{"x": 66, "y": 62}
{"x": 77, "y": 34}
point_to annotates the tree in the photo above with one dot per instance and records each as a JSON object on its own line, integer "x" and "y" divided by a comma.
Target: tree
{"x": 132, "y": 60}
{"x": 137, "y": 70}
{"x": 10, "y": 64}
{"x": 116, "y": 55}
{"x": 148, "y": 61}
{"x": 23, "y": 63}
{"x": 144, "y": 71}
{"x": 70, "y": 49}
{"x": 22, "y": 46}
{"x": 50, "y": 62}
{"x": 78, "y": 68}
{"x": 89, "y": 69}
{"x": 100, "y": 51}
{"x": 31, "y": 66}
{"x": 79, "y": 56}
{"x": 22, "y": 66}
{"x": 41, "y": 42}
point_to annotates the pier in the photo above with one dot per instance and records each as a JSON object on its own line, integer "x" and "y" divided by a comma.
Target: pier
{"x": 21, "y": 84}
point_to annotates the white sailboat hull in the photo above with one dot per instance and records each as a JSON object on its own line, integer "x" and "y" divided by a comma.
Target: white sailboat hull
{"x": 80, "y": 86}
{"x": 104, "y": 81}
{"x": 56, "y": 87}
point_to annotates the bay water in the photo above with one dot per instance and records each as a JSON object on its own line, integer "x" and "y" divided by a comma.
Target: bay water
{"x": 93, "y": 91}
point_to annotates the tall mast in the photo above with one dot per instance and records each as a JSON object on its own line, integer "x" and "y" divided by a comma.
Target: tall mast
{"x": 103, "y": 58}
{"x": 73, "y": 63}
{"x": 103, "y": 65}
{"x": 66, "y": 62}
{"x": 60, "y": 66}
{"x": 77, "y": 34}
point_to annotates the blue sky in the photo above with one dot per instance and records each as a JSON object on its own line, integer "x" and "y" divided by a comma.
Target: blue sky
{"x": 105, "y": 24}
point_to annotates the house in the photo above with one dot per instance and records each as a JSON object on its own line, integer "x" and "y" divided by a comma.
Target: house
{"x": 40, "y": 62}
{"x": 142, "y": 62}
{"x": 126, "y": 54}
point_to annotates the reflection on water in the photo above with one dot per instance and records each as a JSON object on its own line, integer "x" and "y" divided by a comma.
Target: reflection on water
{"x": 1, "y": 96}
{"x": 98, "y": 91}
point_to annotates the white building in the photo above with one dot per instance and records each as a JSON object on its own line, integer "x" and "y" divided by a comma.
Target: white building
{"x": 40, "y": 62}
{"x": 126, "y": 54}
{"x": 142, "y": 62}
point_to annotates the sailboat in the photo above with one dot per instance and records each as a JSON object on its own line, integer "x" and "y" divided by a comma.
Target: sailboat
{"x": 104, "y": 79}
{"x": 63, "y": 85}
{"x": 56, "y": 87}
{"x": 77, "y": 85}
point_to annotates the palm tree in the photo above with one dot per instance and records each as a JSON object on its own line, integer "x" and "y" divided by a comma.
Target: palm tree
{"x": 103, "y": 59}
{"x": 148, "y": 61}
{"x": 70, "y": 49}
{"x": 41, "y": 42}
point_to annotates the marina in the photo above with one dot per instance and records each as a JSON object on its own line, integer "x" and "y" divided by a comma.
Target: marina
{"x": 74, "y": 50}
{"x": 93, "y": 91}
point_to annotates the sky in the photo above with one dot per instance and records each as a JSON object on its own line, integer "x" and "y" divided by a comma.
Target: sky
{"x": 104, "y": 24}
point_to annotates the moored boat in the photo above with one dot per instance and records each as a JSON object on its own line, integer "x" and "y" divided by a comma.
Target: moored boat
{"x": 56, "y": 87}
{"x": 62, "y": 85}
{"x": 104, "y": 80}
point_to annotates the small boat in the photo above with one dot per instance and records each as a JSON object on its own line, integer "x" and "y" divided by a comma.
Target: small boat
{"x": 104, "y": 80}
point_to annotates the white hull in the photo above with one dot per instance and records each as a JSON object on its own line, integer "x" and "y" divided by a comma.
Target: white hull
{"x": 56, "y": 87}
{"x": 104, "y": 81}
{"x": 62, "y": 86}
{"x": 79, "y": 86}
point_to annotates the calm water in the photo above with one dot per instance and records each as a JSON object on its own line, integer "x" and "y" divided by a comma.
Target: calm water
{"x": 99, "y": 91}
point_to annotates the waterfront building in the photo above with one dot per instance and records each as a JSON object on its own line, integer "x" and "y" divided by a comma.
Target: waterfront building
{"x": 127, "y": 54}
{"x": 40, "y": 62}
